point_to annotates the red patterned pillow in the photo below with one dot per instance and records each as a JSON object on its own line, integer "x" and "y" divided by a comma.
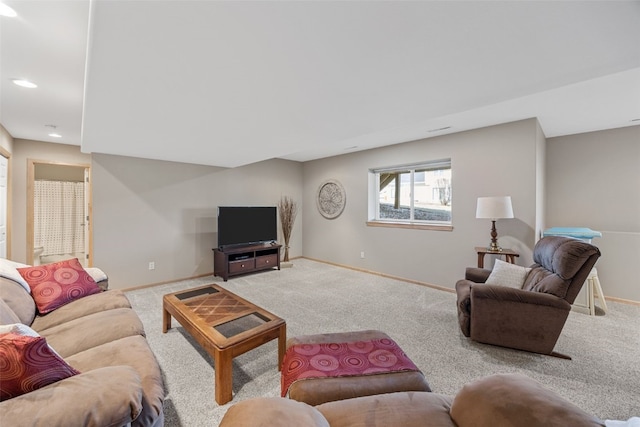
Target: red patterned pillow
{"x": 54, "y": 285}
{"x": 28, "y": 363}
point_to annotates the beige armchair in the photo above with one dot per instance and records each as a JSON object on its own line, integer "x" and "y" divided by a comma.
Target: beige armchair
{"x": 530, "y": 318}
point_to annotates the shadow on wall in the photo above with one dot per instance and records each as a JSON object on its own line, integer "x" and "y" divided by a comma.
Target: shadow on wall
{"x": 515, "y": 234}
{"x": 202, "y": 225}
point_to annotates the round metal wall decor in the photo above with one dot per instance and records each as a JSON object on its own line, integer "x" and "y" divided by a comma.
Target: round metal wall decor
{"x": 331, "y": 199}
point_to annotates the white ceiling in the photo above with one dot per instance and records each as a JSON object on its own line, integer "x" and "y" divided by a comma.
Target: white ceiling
{"x": 228, "y": 83}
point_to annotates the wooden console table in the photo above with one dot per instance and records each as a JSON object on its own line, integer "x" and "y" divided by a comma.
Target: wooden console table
{"x": 509, "y": 255}
{"x": 244, "y": 259}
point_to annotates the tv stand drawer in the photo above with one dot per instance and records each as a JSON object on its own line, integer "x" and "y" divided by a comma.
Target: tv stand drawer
{"x": 267, "y": 261}
{"x": 242, "y": 265}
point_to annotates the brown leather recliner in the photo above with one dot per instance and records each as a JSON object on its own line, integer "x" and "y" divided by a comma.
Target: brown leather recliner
{"x": 530, "y": 318}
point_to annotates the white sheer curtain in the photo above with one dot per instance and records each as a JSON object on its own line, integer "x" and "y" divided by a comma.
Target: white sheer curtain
{"x": 59, "y": 216}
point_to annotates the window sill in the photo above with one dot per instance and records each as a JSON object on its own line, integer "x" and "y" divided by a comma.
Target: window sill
{"x": 410, "y": 225}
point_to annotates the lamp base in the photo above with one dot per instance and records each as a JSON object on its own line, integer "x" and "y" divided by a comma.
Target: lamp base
{"x": 494, "y": 248}
{"x": 494, "y": 238}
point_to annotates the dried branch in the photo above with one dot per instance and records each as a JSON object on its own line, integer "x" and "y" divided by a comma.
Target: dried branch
{"x": 288, "y": 209}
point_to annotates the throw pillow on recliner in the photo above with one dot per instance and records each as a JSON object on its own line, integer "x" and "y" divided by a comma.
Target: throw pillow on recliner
{"x": 506, "y": 274}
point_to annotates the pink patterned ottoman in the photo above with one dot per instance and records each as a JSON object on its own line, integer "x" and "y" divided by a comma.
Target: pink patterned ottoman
{"x": 327, "y": 367}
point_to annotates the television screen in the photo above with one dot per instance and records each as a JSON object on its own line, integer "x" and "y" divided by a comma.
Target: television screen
{"x": 239, "y": 225}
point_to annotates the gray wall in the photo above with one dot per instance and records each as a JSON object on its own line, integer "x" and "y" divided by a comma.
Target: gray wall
{"x": 6, "y": 140}
{"x": 493, "y": 161}
{"x": 58, "y": 173}
{"x": 148, "y": 210}
{"x": 541, "y": 180}
{"x": 165, "y": 212}
{"x": 593, "y": 180}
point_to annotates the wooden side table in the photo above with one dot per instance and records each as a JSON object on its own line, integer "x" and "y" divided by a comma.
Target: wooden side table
{"x": 509, "y": 255}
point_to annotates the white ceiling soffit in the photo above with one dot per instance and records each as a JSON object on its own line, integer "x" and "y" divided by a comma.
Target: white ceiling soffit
{"x": 228, "y": 83}
{"x": 604, "y": 103}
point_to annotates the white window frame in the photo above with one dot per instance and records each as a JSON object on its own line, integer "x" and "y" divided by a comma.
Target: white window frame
{"x": 374, "y": 197}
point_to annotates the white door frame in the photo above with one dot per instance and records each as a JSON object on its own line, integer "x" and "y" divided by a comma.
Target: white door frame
{"x": 31, "y": 167}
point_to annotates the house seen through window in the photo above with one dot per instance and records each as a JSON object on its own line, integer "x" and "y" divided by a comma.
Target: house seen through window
{"x": 419, "y": 193}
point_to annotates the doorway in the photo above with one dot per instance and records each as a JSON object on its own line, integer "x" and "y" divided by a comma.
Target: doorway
{"x": 58, "y": 212}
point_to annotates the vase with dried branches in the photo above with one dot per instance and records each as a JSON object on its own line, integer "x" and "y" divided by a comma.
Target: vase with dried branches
{"x": 287, "y": 209}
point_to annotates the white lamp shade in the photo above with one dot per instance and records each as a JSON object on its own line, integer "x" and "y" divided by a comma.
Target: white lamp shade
{"x": 494, "y": 207}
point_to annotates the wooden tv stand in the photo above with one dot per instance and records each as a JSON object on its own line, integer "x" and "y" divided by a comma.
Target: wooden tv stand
{"x": 234, "y": 260}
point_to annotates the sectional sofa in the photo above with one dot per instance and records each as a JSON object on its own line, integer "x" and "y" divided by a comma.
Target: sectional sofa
{"x": 501, "y": 400}
{"x": 115, "y": 379}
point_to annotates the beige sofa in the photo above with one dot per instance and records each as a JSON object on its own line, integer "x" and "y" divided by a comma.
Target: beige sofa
{"x": 100, "y": 335}
{"x": 503, "y": 400}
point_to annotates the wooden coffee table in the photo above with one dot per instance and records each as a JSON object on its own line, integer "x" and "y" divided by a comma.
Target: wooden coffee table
{"x": 225, "y": 325}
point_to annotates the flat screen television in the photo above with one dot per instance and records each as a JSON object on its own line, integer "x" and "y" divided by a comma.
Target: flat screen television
{"x": 243, "y": 225}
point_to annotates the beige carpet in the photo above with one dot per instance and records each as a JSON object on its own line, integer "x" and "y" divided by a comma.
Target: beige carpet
{"x": 603, "y": 378}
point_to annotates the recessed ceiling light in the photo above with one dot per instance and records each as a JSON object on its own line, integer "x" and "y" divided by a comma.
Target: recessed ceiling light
{"x": 7, "y": 11}
{"x": 25, "y": 83}
{"x": 53, "y": 133}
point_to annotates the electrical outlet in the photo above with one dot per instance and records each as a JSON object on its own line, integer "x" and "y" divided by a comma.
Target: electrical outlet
{"x": 362, "y": 254}
{"x": 152, "y": 265}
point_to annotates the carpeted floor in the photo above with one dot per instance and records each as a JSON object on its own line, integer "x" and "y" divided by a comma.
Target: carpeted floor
{"x": 603, "y": 378}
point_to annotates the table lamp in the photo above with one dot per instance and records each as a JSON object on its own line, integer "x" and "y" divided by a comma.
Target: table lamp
{"x": 494, "y": 208}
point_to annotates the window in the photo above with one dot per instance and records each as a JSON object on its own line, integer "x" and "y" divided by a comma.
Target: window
{"x": 416, "y": 195}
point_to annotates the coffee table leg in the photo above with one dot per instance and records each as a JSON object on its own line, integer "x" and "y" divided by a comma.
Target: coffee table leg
{"x": 166, "y": 320}
{"x": 223, "y": 376}
{"x": 282, "y": 342}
